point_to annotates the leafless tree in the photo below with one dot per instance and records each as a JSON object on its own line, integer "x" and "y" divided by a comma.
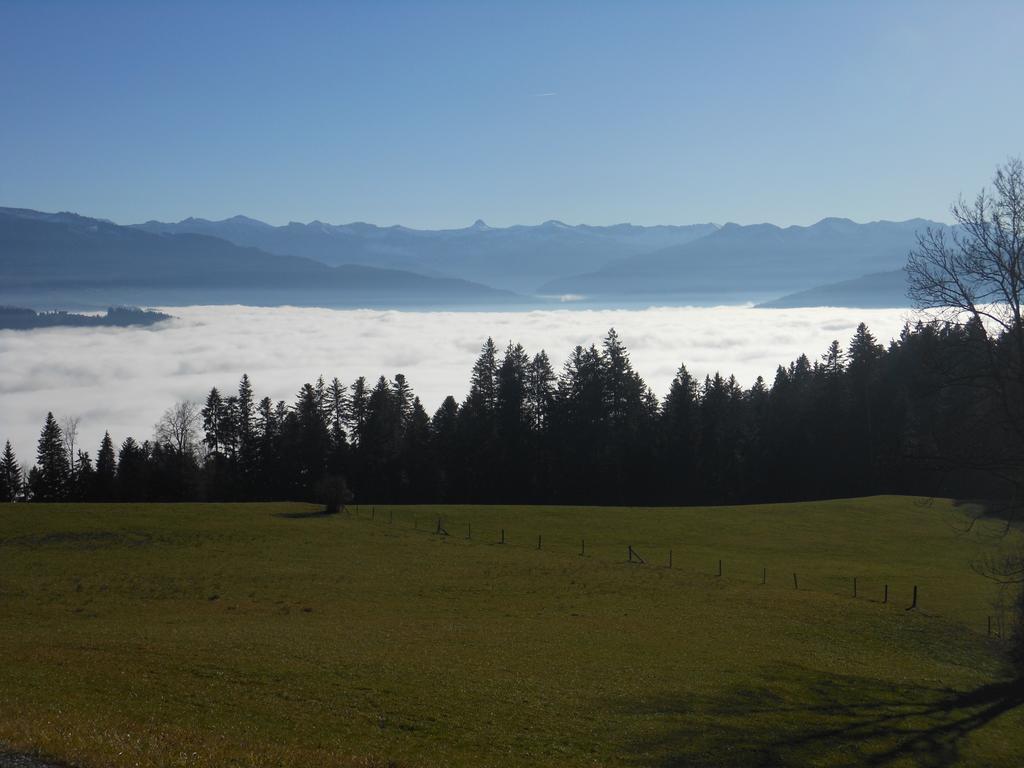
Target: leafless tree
{"x": 69, "y": 433}
{"x": 977, "y": 268}
{"x": 177, "y": 428}
{"x": 974, "y": 274}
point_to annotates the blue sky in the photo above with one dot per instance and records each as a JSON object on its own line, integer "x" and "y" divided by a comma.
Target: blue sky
{"x": 435, "y": 114}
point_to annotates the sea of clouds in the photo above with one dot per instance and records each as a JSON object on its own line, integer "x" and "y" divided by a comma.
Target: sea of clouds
{"x": 122, "y": 379}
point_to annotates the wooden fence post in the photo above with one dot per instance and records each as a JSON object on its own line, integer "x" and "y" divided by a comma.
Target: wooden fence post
{"x": 469, "y": 530}
{"x": 670, "y": 559}
{"x": 854, "y": 586}
{"x": 913, "y": 603}
{"x": 538, "y": 541}
{"x": 719, "y": 567}
{"x": 764, "y": 575}
{"x": 795, "y": 585}
{"x": 502, "y": 535}
{"x": 885, "y": 595}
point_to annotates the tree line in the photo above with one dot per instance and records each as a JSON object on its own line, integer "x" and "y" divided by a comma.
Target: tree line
{"x": 864, "y": 419}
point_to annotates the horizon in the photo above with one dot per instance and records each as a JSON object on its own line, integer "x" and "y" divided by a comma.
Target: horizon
{"x": 718, "y": 225}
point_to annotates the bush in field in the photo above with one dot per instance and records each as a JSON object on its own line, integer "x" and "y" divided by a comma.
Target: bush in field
{"x": 332, "y": 491}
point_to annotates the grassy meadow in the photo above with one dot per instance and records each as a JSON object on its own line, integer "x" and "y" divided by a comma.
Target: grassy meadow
{"x": 270, "y": 635}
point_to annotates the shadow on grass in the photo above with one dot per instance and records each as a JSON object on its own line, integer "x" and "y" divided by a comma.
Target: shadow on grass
{"x": 796, "y": 718}
{"x": 305, "y": 515}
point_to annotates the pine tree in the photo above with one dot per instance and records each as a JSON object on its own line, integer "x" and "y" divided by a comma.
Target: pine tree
{"x": 403, "y": 398}
{"x": 106, "y": 469}
{"x": 679, "y": 420}
{"x": 338, "y": 408}
{"x": 833, "y": 360}
{"x": 511, "y": 392}
{"x": 132, "y": 471}
{"x": 229, "y": 428}
{"x": 85, "y": 478}
{"x": 53, "y": 478}
{"x": 337, "y": 415}
{"x": 213, "y": 418}
{"x": 483, "y": 389}
{"x": 10, "y": 475}
{"x": 246, "y": 428}
{"x": 444, "y": 428}
{"x": 312, "y": 438}
{"x": 358, "y": 404}
{"x": 419, "y": 475}
{"x": 513, "y": 447}
{"x": 540, "y": 391}
{"x": 267, "y": 436}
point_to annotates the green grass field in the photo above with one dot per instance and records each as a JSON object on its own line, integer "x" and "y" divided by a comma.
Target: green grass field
{"x": 262, "y": 635}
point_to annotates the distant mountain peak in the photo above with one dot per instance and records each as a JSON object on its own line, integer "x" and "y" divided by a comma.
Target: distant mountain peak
{"x": 240, "y": 219}
{"x": 480, "y": 225}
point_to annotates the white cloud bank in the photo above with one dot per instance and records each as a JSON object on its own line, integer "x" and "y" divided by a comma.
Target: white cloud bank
{"x": 122, "y": 379}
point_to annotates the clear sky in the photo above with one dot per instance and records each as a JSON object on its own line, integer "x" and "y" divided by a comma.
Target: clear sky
{"x": 435, "y": 114}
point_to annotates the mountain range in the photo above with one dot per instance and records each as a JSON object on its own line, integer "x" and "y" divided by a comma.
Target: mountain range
{"x": 69, "y": 261}
{"x": 757, "y": 262}
{"x": 517, "y": 258}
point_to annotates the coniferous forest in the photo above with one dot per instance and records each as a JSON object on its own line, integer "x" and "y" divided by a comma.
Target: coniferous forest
{"x": 911, "y": 417}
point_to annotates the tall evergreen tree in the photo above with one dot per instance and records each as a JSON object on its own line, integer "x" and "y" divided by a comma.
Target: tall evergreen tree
{"x": 132, "y": 471}
{"x": 679, "y": 419}
{"x": 213, "y": 419}
{"x": 337, "y": 410}
{"x": 84, "y": 488}
{"x": 483, "y": 386}
{"x": 310, "y": 438}
{"x": 106, "y": 470}
{"x": 380, "y": 444}
{"x": 403, "y": 398}
{"x": 247, "y": 449}
{"x": 540, "y": 391}
{"x": 444, "y": 427}
{"x": 52, "y": 480}
{"x": 358, "y": 405}
{"x": 10, "y": 474}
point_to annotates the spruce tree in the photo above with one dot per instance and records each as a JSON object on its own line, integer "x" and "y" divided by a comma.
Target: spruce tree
{"x": 246, "y": 428}
{"x": 337, "y": 398}
{"x": 540, "y": 391}
{"x": 52, "y": 459}
{"x": 358, "y": 404}
{"x": 312, "y": 438}
{"x": 85, "y": 478}
{"x": 106, "y": 471}
{"x": 483, "y": 382}
{"x": 10, "y": 475}
{"x": 403, "y": 398}
{"x": 444, "y": 429}
{"x": 213, "y": 417}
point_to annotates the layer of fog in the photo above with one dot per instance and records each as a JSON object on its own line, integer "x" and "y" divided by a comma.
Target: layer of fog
{"x": 122, "y": 379}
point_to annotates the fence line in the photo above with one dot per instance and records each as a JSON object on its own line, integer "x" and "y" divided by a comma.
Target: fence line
{"x": 634, "y": 557}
